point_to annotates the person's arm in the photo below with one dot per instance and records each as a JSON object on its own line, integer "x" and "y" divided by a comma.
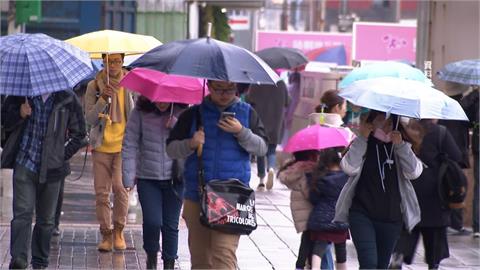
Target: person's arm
{"x": 450, "y": 147}
{"x": 352, "y": 161}
{"x": 411, "y": 166}
{"x": 178, "y": 142}
{"x": 76, "y": 129}
{"x": 11, "y": 112}
{"x": 253, "y": 139}
{"x": 131, "y": 141}
{"x": 93, "y": 105}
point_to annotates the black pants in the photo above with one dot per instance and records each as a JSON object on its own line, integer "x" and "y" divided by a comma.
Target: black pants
{"x": 456, "y": 217}
{"x": 434, "y": 241}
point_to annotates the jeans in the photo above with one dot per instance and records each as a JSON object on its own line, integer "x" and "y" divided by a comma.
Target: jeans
{"x": 58, "y": 211}
{"x": 161, "y": 202}
{"x": 476, "y": 179}
{"x": 29, "y": 194}
{"x": 270, "y": 161}
{"x": 373, "y": 240}
{"x": 305, "y": 253}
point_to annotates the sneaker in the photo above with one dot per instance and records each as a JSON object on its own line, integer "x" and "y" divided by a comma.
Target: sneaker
{"x": 462, "y": 232}
{"x": 261, "y": 187}
{"x": 56, "y": 231}
{"x": 270, "y": 176}
{"x": 476, "y": 235}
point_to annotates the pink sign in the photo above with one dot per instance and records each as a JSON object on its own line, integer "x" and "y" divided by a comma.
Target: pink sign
{"x": 384, "y": 41}
{"x": 304, "y": 41}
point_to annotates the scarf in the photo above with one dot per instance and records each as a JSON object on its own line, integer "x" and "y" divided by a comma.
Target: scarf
{"x": 101, "y": 79}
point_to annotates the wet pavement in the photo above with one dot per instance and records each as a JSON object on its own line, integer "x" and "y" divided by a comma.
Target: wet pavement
{"x": 274, "y": 245}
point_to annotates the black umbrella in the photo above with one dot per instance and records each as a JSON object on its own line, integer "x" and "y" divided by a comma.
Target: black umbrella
{"x": 210, "y": 59}
{"x": 279, "y": 57}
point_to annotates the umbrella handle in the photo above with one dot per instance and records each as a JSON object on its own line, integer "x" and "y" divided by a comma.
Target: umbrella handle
{"x": 209, "y": 30}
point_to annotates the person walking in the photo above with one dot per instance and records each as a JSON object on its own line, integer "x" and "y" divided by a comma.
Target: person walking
{"x": 460, "y": 133}
{"x": 51, "y": 129}
{"x": 470, "y": 103}
{"x": 435, "y": 216}
{"x": 294, "y": 175}
{"x": 326, "y": 182}
{"x": 379, "y": 196}
{"x": 227, "y": 144}
{"x": 270, "y": 102}
{"x": 159, "y": 185}
{"x": 107, "y": 106}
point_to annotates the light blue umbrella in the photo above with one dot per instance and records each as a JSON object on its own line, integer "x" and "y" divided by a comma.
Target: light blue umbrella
{"x": 36, "y": 64}
{"x": 403, "y": 97}
{"x": 464, "y": 72}
{"x": 385, "y": 69}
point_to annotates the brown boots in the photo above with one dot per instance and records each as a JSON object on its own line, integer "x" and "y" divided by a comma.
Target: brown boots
{"x": 118, "y": 239}
{"x": 112, "y": 239}
{"x": 107, "y": 243}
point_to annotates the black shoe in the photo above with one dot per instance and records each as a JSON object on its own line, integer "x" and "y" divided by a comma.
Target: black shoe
{"x": 56, "y": 231}
{"x": 17, "y": 264}
{"x": 152, "y": 261}
{"x": 36, "y": 266}
{"x": 168, "y": 264}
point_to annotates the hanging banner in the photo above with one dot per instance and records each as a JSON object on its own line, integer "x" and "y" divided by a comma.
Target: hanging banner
{"x": 318, "y": 46}
{"x": 384, "y": 41}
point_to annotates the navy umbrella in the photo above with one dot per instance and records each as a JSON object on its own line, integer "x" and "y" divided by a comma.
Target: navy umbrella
{"x": 208, "y": 58}
{"x": 280, "y": 57}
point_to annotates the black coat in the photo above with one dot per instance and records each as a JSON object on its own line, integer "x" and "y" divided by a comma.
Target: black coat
{"x": 434, "y": 214}
{"x": 323, "y": 196}
{"x": 66, "y": 133}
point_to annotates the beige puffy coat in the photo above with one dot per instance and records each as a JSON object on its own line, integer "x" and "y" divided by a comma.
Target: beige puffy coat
{"x": 295, "y": 179}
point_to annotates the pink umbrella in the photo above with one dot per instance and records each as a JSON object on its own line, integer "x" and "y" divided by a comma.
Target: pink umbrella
{"x": 160, "y": 87}
{"x": 317, "y": 137}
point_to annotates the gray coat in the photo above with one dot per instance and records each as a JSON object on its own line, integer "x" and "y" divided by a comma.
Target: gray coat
{"x": 410, "y": 167}
{"x": 143, "y": 149}
{"x": 270, "y": 102}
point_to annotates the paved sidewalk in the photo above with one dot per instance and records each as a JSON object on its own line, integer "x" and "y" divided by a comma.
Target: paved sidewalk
{"x": 274, "y": 245}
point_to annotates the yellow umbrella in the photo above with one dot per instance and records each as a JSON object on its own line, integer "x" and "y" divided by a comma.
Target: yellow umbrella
{"x": 111, "y": 41}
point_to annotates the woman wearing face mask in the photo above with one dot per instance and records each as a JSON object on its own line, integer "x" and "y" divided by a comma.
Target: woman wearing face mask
{"x": 158, "y": 177}
{"x": 378, "y": 197}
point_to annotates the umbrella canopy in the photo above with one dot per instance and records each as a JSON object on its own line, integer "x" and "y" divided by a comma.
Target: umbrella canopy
{"x": 36, "y": 64}
{"x": 403, "y": 97}
{"x": 161, "y": 87}
{"x": 464, "y": 72}
{"x": 385, "y": 69}
{"x": 110, "y": 41}
{"x": 280, "y": 57}
{"x": 210, "y": 59}
{"x": 336, "y": 54}
{"x": 317, "y": 137}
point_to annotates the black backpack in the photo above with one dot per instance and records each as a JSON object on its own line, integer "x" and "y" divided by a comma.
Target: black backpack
{"x": 452, "y": 185}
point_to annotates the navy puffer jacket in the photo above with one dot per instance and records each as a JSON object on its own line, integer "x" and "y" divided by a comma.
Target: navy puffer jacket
{"x": 324, "y": 197}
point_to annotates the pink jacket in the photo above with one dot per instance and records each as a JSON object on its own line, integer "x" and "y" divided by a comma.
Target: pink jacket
{"x": 295, "y": 179}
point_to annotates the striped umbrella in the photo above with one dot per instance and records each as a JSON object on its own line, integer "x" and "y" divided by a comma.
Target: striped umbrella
{"x": 36, "y": 64}
{"x": 464, "y": 72}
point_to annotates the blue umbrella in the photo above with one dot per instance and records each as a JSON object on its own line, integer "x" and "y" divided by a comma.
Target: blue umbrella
{"x": 209, "y": 59}
{"x": 36, "y": 64}
{"x": 385, "y": 69}
{"x": 464, "y": 72}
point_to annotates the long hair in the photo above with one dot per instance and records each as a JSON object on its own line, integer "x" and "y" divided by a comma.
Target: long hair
{"x": 307, "y": 155}
{"x": 145, "y": 105}
{"x": 328, "y": 158}
{"x": 329, "y": 100}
